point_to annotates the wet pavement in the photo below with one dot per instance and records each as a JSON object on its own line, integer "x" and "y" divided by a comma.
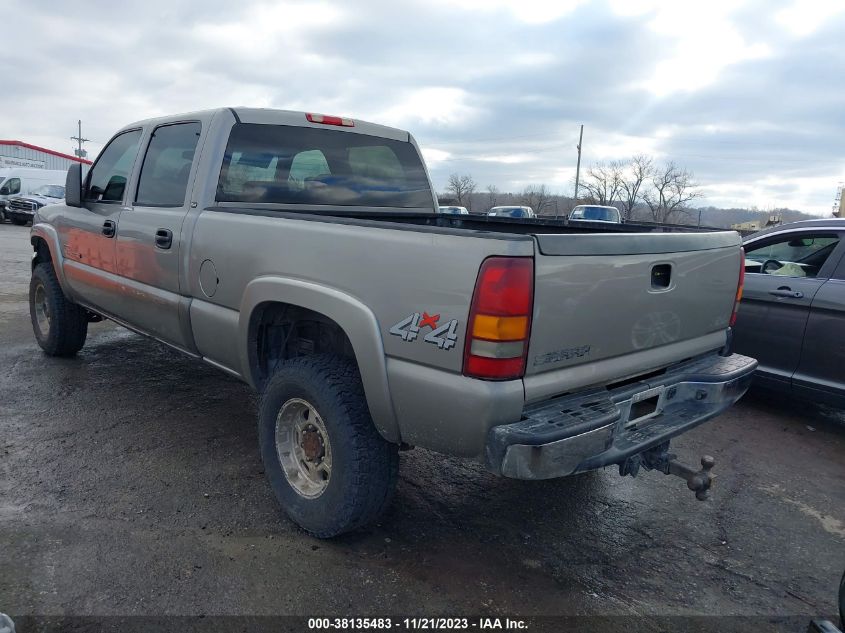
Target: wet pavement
{"x": 130, "y": 483}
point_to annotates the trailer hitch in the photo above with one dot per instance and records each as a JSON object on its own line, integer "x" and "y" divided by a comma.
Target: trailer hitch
{"x": 659, "y": 458}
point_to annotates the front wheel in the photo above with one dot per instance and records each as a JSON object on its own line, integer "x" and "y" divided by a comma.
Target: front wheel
{"x": 330, "y": 469}
{"x": 19, "y": 221}
{"x": 60, "y": 326}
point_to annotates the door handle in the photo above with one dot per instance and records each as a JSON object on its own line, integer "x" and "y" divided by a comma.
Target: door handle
{"x": 109, "y": 228}
{"x": 164, "y": 238}
{"x": 785, "y": 291}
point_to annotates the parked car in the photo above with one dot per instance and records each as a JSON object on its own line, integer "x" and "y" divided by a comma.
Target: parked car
{"x": 242, "y": 237}
{"x": 15, "y": 181}
{"x": 595, "y": 213}
{"x": 512, "y": 212}
{"x": 21, "y": 209}
{"x": 793, "y": 309}
{"x": 453, "y": 210}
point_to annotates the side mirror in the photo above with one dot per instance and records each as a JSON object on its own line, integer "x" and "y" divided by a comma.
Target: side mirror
{"x": 73, "y": 186}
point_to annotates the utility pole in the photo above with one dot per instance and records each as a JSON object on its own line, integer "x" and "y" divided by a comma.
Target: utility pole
{"x": 79, "y": 152}
{"x": 578, "y": 168}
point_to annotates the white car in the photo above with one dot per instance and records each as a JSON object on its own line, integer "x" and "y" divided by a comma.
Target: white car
{"x": 595, "y": 213}
{"x": 454, "y": 210}
{"x": 511, "y": 211}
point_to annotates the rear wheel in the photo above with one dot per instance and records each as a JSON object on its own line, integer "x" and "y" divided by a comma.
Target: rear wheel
{"x": 60, "y": 326}
{"x": 330, "y": 469}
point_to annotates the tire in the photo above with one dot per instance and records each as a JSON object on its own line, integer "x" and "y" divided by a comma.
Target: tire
{"x": 323, "y": 396}
{"x": 60, "y": 326}
{"x": 19, "y": 221}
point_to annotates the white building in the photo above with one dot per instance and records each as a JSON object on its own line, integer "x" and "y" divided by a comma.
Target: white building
{"x": 20, "y": 154}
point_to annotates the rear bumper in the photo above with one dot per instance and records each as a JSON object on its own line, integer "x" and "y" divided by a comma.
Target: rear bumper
{"x": 585, "y": 431}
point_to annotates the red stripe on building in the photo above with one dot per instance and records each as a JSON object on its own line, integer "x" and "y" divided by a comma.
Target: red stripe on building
{"x": 46, "y": 151}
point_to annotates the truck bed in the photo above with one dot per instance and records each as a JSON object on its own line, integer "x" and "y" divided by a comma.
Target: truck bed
{"x": 596, "y": 316}
{"x": 478, "y": 223}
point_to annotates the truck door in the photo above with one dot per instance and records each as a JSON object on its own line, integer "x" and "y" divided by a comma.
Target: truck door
{"x": 87, "y": 233}
{"x": 149, "y": 237}
{"x": 783, "y": 274}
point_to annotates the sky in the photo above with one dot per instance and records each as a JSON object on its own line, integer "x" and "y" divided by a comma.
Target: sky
{"x": 748, "y": 95}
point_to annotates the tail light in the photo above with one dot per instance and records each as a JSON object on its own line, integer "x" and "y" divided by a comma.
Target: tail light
{"x": 740, "y": 283}
{"x": 500, "y": 319}
{"x": 326, "y": 119}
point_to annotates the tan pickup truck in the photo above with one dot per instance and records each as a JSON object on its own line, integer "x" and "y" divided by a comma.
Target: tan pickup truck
{"x": 305, "y": 255}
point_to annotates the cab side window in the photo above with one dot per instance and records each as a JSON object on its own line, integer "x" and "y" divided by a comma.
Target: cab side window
{"x": 796, "y": 255}
{"x": 11, "y": 187}
{"x": 107, "y": 179}
{"x": 167, "y": 165}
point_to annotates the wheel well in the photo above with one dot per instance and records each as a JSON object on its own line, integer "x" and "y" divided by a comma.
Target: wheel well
{"x": 42, "y": 251}
{"x": 279, "y": 331}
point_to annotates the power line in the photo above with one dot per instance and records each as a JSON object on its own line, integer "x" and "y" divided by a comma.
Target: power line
{"x": 485, "y": 140}
{"x": 677, "y": 139}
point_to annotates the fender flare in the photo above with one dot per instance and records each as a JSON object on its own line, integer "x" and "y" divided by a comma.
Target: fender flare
{"x": 50, "y": 236}
{"x": 356, "y": 320}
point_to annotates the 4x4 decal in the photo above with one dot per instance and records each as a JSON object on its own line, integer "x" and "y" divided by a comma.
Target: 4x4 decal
{"x": 444, "y": 336}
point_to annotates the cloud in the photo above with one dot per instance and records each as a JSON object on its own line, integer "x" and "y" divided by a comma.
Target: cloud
{"x": 434, "y": 106}
{"x": 804, "y": 17}
{"x": 746, "y": 94}
{"x": 528, "y": 11}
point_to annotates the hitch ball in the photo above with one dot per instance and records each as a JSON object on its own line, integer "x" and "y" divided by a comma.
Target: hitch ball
{"x": 700, "y": 481}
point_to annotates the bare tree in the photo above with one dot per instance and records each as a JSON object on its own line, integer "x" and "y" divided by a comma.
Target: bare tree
{"x": 462, "y": 188}
{"x": 636, "y": 172}
{"x": 603, "y": 182}
{"x": 537, "y": 197}
{"x": 671, "y": 190}
{"x": 492, "y": 196}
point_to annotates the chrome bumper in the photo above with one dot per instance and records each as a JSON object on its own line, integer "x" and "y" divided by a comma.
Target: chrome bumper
{"x": 585, "y": 431}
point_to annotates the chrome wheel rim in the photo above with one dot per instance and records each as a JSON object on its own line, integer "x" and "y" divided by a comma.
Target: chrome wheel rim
{"x": 303, "y": 448}
{"x": 42, "y": 310}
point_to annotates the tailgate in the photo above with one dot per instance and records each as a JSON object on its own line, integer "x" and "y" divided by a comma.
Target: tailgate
{"x": 603, "y": 296}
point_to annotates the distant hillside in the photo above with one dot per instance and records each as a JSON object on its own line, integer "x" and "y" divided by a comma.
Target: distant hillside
{"x": 724, "y": 218}
{"x": 480, "y": 202}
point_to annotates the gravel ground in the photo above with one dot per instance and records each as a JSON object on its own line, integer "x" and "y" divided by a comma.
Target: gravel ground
{"x": 130, "y": 484}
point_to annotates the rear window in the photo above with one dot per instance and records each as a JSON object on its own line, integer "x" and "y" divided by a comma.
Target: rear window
{"x": 301, "y": 165}
{"x": 510, "y": 212}
{"x": 595, "y": 213}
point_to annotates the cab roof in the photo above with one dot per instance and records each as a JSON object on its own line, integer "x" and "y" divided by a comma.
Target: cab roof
{"x": 267, "y": 116}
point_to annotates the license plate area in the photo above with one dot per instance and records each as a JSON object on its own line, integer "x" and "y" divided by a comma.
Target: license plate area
{"x": 645, "y": 405}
